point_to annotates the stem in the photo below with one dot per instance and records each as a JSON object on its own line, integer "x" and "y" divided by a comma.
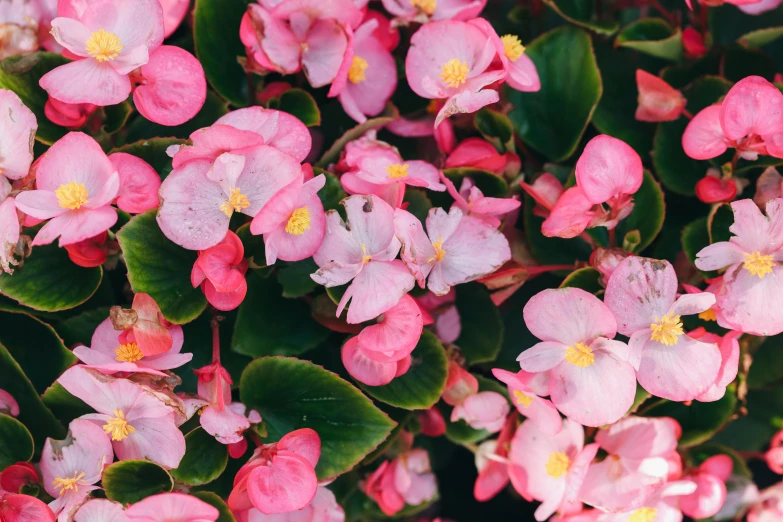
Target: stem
{"x": 612, "y": 238}
{"x": 535, "y": 270}
{"x": 687, "y": 113}
{"x": 670, "y": 17}
{"x": 588, "y": 239}
{"x": 215, "y": 324}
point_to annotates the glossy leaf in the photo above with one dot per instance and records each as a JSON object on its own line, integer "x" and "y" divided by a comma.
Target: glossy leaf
{"x": 652, "y": 36}
{"x": 16, "y": 443}
{"x": 647, "y": 215}
{"x": 129, "y": 481}
{"x": 204, "y": 461}
{"x": 482, "y": 328}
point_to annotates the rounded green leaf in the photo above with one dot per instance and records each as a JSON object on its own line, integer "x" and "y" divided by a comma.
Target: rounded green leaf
{"x": 553, "y": 120}
{"x": 291, "y": 394}
{"x": 295, "y": 278}
{"x": 482, "y": 327}
{"x": 216, "y": 502}
{"x": 49, "y": 281}
{"x": 551, "y": 250}
{"x": 767, "y": 367}
{"x": 495, "y": 127}
{"x": 129, "y": 481}
{"x": 585, "y": 278}
{"x": 647, "y": 215}
{"x": 204, "y": 461}
{"x": 652, "y": 36}
{"x": 16, "y": 443}
{"x": 161, "y": 269}
{"x": 421, "y": 386}
{"x": 419, "y": 203}
{"x": 583, "y": 12}
{"x": 332, "y": 193}
{"x": 153, "y": 151}
{"x": 299, "y": 103}
{"x": 695, "y": 236}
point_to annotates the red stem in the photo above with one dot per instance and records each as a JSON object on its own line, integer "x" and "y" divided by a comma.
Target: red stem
{"x": 535, "y": 270}
{"x": 612, "y": 238}
{"x": 687, "y": 114}
{"x": 215, "y": 324}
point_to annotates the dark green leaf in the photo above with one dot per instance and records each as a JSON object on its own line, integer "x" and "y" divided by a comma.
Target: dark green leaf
{"x": 490, "y": 184}
{"x": 482, "y": 328}
{"x": 16, "y": 443}
{"x": 217, "y": 502}
{"x": 652, "y": 36}
{"x": 760, "y": 37}
{"x": 205, "y": 459}
{"x": 331, "y": 155}
{"x": 295, "y": 278}
{"x": 647, "y": 215}
{"x": 65, "y": 406}
{"x": 301, "y": 104}
{"x": 116, "y": 116}
{"x": 695, "y": 236}
{"x": 255, "y": 251}
{"x": 767, "y": 367}
{"x": 332, "y": 193}
{"x": 585, "y": 278}
{"x": 129, "y": 481}
{"x": 496, "y": 128}
{"x": 583, "y": 12}
{"x": 78, "y": 329}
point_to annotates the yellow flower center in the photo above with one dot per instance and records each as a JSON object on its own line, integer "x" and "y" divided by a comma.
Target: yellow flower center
{"x": 522, "y": 398}
{"x": 397, "y": 170}
{"x": 236, "y": 202}
{"x": 103, "y": 46}
{"x": 645, "y": 514}
{"x": 455, "y": 73}
{"x": 68, "y": 483}
{"x": 72, "y": 195}
{"x": 299, "y": 222}
{"x": 667, "y": 329}
{"x": 365, "y": 257}
{"x": 512, "y": 47}
{"x": 356, "y": 72}
{"x": 118, "y": 427}
{"x": 557, "y": 465}
{"x": 580, "y": 355}
{"x": 758, "y": 265}
{"x": 425, "y": 6}
{"x": 128, "y": 352}
{"x": 439, "y": 252}
{"x": 708, "y": 315}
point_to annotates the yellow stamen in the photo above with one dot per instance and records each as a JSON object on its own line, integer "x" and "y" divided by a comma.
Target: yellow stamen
{"x": 68, "y": 483}
{"x": 356, "y": 71}
{"x": 365, "y": 258}
{"x": 708, "y": 315}
{"x": 758, "y": 265}
{"x": 397, "y": 170}
{"x": 118, "y": 427}
{"x": 557, "y": 465}
{"x": 512, "y": 47}
{"x": 522, "y": 398}
{"x": 128, "y": 352}
{"x": 432, "y": 107}
{"x": 103, "y": 45}
{"x": 425, "y": 6}
{"x": 439, "y": 252}
{"x": 299, "y": 222}
{"x": 236, "y": 202}
{"x": 645, "y": 514}
{"x": 580, "y": 355}
{"x": 455, "y": 73}
{"x": 72, "y": 195}
{"x": 667, "y": 329}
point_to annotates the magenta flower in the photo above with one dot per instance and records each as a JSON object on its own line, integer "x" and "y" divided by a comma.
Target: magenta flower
{"x": 17, "y": 134}
{"x": 70, "y": 467}
{"x": 139, "y": 183}
{"x": 172, "y": 507}
{"x": 473, "y": 203}
{"x": 363, "y": 255}
{"x": 220, "y": 271}
{"x": 751, "y": 287}
{"x": 526, "y": 391}
{"x": 642, "y": 295}
{"x": 100, "y": 510}
{"x": 431, "y": 10}
{"x": 75, "y": 185}
{"x": 591, "y": 381}
{"x": 658, "y": 101}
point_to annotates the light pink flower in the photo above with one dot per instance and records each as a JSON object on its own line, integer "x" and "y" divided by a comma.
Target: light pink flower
{"x": 769, "y": 186}
{"x": 642, "y": 295}
{"x": 591, "y": 380}
{"x": 525, "y": 390}
{"x": 172, "y": 507}
{"x": 473, "y": 203}
{"x": 492, "y": 463}
{"x": 20, "y": 27}
{"x": 71, "y": 467}
{"x": 23, "y": 508}
{"x": 545, "y": 190}
{"x": 364, "y": 364}
{"x": 140, "y": 424}
{"x": 550, "y": 468}
{"x": 323, "y": 508}
{"x": 365, "y": 256}
{"x": 729, "y": 353}
{"x": 70, "y": 115}
{"x": 520, "y": 71}
{"x": 174, "y": 11}
{"x": 145, "y": 326}
{"x": 605, "y": 260}
{"x": 479, "y": 154}
{"x": 220, "y": 270}
{"x": 751, "y": 289}
{"x": 444, "y": 314}
{"x": 139, "y": 183}
{"x": 710, "y": 495}
{"x": 482, "y": 411}
{"x": 768, "y": 506}
{"x": 8, "y": 404}
{"x": 460, "y": 384}
{"x": 218, "y": 418}
{"x": 405, "y": 480}
{"x": 396, "y": 333}
{"x": 661, "y": 506}
{"x": 109, "y": 38}
{"x": 75, "y": 185}
{"x": 9, "y": 227}
{"x": 658, "y": 101}
{"x": 17, "y": 134}
{"x": 431, "y": 10}
{"x": 100, "y": 510}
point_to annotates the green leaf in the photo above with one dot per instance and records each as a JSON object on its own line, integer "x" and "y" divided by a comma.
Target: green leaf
{"x": 695, "y": 236}
{"x": 585, "y": 278}
{"x": 652, "y": 36}
{"x": 331, "y": 155}
{"x": 674, "y": 168}
{"x": 495, "y": 127}
{"x": 332, "y": 193}
{"x": 116, "y": 116}
{"x": 295, "y": 278}
{"x": 49, "y": 281}
{"x": 418, "y": 203}
{"x": 16, "y": 443}
{"x": 421, "y": 386}
{"x": 204, "y": 461}
{"x": 153, "y": 151}
{"x": 647, "y": 215}
{"x": 143, "y": 129}
{"x": 255, "y": 251}
{"x": 583, "y": 13}
{"x": 551, "y": 250}
{"x": 490, "y": 184}
{"x": 301, "y": 104}
{"x": 482, "y": 327}
{"x": 553, "y": 120}
{"x": 291, "y": 394}
{"x": 760, "y": 37}
{"x": 65, "y": 406}
{"x": 767, "y": 367}
{"x": 21, "y": 74}
{"x": 216, "y": 502}
{"x": 78, "y": 329}
{"x": 719, "y": 222}
{"x": 270, "y": 324}
{"x": 129, "y": 481}
{"x": 161, "y": 269}
{"x": 216, "y": 35}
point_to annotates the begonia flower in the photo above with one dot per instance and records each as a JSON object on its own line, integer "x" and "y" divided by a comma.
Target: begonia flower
{"x": 91, "y": 252}
{"x": 446, "y": 324}
{"x": 661, "y": 505}
{"x": 8, "y": 404}
{"x": 710, "y": 494}
{"x": 323, "y": 508}
{"x": 431, "y": 10}
{"x": 460, "y": 384}
{"x": 174, "y": 11}
{"x": 482, "y": 411}
{"x": 758, "y": 7}
{"x": 693, "y": 43}
{"x": 605, "y": 260}
{"x": 774, "y": 455}
{"x": 172, "y": 507}
{"x": 521, "y": 72}
{"x": 545, "y": 191}
{"x": 100, "y": 510}
{"x": 642, "y": 295}
{"x": 144, "y": 326}
{"x": 220, "y": 271}
{"x": 713, "y": 188}
{"x": 69, "y": 115}
{"x": 9, "y": 227}
{"x": 23, "y": 508}
{"x": 71, "y": 467}
{"x": 18, "y": 476}
{"x": 729, "y": 353}
{"x": 769, "y": 186}
{"x": 432, "y": 422}
{"x": 591, "y": 381}
{"x": 658, "y": 101}
{"x": 371, "y": 371}
{"x": 768, "y": 506}
{"x": 139, "y": 183}
{"x": 217, "y": 418}
{"x": 525, "y": 390}
{"x": 492, "y": 463}
{"x": 363, "y": 255}
{"x": 478, "y": 153}
{"x": 473, "y": 203}
{"x": 408, "y": 479}
{"x": 17, "y": 134}
{"x": 22, "y": 26}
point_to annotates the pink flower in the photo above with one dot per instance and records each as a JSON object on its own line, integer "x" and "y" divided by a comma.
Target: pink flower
{"x": 139, "y": 183}
{"x": 774, "y": 455}
{"x": 525, "y": 390}
{"x": 404, "y": 480}
{"x": 109, "y": 354}
{"x": 729, "y": 352}
{"x": 444, "y": 314}
{"x": 460, "y": 384}
{"x": 145, "y": 326}
{"x": 323, "y": 508}
{"x": 17, "y": 134}
{"x": 8, "y": 404}
{"x": 714, "y": 189}
{"x": 606, "y": 260}
{"x": 70, "y": 467}
{"x": 769, "y": 186}
{"x": 431, "y": 10}
{"x": 70, "y": 115}
{"x": 452, "y": 60}
{"x": 759, "y": 6}
{"x": 577, "y": 330}
{"x": 140, "y": 424}
{"x": 432, "y": 422}
{"x": 220, "y": 270}
{"x": 492, "y": 463}
{"x": 693, "y": 43}
{"x": 370, "y": 371}
{"x": 9, "y": 227}
{"x": 710, "y": 494}
{"x": 172, "y": 507}
{"x": 293, "y": 221}
{"x": 364, "y": 254}
{"x": 76, "y": 184}
{"x": 109, "y": 38}
{"x": 23, "y": 508}
{"x": 608, "y": 173}
{"x": 174, "y": 11}
{"x": 100, "y": 510}
{"x": 550, "y": 468}
{"x": 642, "y": 295}
{"x": 217, "y": 418}
{"x": 748, "y": 299}
{"x": 658, "y": 101}
{"x": 279, "y": 477}
{"x": 768, "y": 506}
{"x": 472, "y": 202}
{"x": 91, "y": 252}
{"x": 661, "y": 505}
{"x": 199, "y": 197}
{"x": 456, "y": 249}
{"x": 482, "y": 411}
{"x": 16, "y": 476}
{"x": 545, "y": 190}
{"x": 477, "y": 153}
{"x": 747, "y": 120}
